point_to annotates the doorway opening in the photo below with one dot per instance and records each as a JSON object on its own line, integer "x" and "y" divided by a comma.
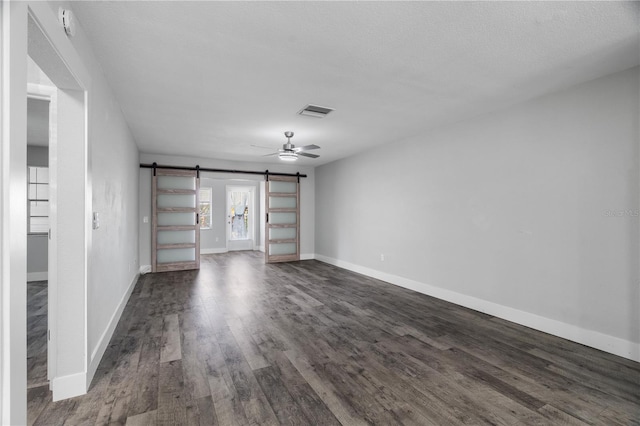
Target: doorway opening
{"x": 41, "y": 195}
{"x": 37, "y": 238}
{"x": 240, "y": 218}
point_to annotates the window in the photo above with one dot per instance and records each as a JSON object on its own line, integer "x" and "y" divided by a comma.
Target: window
{"x": 38, "y": 207}
{"x": 205, "y": 208}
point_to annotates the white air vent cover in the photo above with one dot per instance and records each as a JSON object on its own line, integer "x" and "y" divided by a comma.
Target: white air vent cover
{"x": 315, "y": 111}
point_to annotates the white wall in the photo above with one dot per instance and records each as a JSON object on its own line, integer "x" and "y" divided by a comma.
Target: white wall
{"x": 113, "y": 194}
{"x": 530, "y": 213}
{"x": 87, "y": 299}
{"x": 307, "y": 199}
{"x": 13, "y": 155}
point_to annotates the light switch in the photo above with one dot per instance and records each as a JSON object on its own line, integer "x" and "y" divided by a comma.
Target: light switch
{"x": 96, "y": 220}
{"x": 145, "y": 219}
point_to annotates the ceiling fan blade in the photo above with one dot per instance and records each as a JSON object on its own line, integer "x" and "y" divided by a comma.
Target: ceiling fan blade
{"x": 306, "y": 154}
{"x": 272, "y": 154}
{"x": 306, "y": 148}
{"x": 262, "y": 147}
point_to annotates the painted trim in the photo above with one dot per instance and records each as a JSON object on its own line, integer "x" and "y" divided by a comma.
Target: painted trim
{"x": 37, "y": 276}
{"x": 309, "y": 256}
{"x": 50, "y": 94}
{"x": 69, "y": 386}
{"x": 48, "y": 22}
{"x": 594, "y": 339}
{"x": 213, "y": 250}
{"x": 101, "y": 347}
{"x": 13, "y": 265}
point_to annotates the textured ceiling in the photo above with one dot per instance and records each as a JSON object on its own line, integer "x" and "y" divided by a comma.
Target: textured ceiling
{"x": 212, "y": 78}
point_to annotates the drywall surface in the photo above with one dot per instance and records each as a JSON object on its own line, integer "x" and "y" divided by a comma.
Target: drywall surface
{"x": 219, "y": 182}
{"x": 37, "y": 244}
{"x": 112, "y": 248}
{"x": 13, "y": 171}
{"x": 534, "y": 209}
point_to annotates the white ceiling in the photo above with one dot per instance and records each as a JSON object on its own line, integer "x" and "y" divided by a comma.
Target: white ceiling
{"x": 210, "y": 79}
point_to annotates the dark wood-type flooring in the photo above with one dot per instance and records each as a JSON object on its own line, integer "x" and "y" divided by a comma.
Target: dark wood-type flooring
{"x": 306, "y": 343}
{"x": 37, "y": 309}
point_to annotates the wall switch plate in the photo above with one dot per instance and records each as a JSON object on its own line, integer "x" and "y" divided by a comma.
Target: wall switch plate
{"x": 96, "y": 220}
{"x": 145, "y": 219}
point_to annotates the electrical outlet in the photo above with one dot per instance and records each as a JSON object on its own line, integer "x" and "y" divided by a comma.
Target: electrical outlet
{"x": 382, "y": 257}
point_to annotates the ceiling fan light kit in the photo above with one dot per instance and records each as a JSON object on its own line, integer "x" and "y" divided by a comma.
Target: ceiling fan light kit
{"x": 288, "y": 156}
{"x": 289, "y": 152}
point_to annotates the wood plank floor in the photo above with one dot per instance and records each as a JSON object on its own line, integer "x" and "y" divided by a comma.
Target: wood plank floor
{"x": 306, "y": 343}
{"x": 37, "y": 309}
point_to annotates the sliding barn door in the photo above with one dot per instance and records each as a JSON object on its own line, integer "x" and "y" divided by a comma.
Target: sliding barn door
{"x": 283, "y": 219}
{"x": 175, "y": 237}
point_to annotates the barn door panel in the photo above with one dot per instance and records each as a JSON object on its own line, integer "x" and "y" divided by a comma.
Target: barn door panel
{"x": 283, "y": 219}
{"x": 175, "y": 237}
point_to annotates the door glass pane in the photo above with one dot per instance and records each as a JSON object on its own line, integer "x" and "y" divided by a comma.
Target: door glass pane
{"x": 38, "y": 224}
{"x": 175, "y": 237}
{"x": 239, "y": 214}
{"x": 282, "y": 202}
{"x": 282, "y": 233}
{"x": 278, "y": 186}
{"x": 169, "y": 219}
{"x": 286, "y": 248}
{"x": 39, "y": 208}
{"x": 279, "y": 218}
{"x": 43, "y": 174}
{"x": 176, "y": 200}
{"x": 176, "y": 182}
{"x": 38, "y": 191}
{"x": 176, "y": 255}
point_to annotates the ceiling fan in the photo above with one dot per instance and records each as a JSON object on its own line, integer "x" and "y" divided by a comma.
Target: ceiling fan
{"x": 289, "y": 152}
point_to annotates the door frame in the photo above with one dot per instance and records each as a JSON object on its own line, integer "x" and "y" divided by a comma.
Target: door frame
{"x": 22, "y": 24}
{"x": 50, "y": 94}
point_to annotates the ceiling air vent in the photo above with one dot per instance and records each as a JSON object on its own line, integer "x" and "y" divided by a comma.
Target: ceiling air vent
{"x": 315, "y": 111}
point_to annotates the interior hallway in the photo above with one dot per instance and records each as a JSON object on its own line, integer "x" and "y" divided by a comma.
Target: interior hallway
{"x": 241, "y": 342}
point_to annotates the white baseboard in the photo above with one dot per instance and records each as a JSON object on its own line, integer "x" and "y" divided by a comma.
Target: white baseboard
{"x": 213, "y": 251}
{"x": 308, "y": 256}
{"x": 145, "y": 269}
{"x": 37, "y": 276}
{"x": 594, "y": 339}
{"x": 69, "y": 386}
{"x": 101, "y": 347}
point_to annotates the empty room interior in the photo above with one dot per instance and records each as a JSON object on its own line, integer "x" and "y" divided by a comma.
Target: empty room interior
{"x": 320, "y": 213}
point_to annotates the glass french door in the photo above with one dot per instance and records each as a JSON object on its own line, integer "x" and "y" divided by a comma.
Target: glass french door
{"x": 175, "y": 237}
{"x": 282, "y": 219}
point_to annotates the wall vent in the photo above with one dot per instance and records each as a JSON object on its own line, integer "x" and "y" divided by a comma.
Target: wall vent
{"x": 315, "y": 111}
